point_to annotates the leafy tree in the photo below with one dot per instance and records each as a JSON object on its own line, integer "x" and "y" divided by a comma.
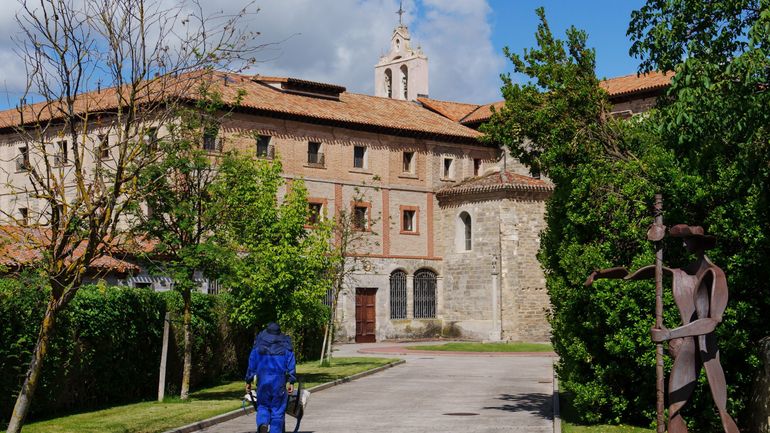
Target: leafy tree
{"x": 704, "y": 148}
{"x": 183, "y": 209}
{"x": 351, "y": 243}
{"x": 78, "y": 185}
{"x": 281, "y": 271}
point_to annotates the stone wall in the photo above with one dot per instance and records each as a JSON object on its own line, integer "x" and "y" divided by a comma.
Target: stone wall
{"x": 525, "y": 299}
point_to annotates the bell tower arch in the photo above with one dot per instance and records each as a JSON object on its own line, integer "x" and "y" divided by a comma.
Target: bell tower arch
{"x": 402, "y": 73}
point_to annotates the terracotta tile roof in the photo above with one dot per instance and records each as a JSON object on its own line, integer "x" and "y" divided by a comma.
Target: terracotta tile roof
{"x": 497, "y": 181}
{"x": 482, "y": 114}
{"x": 630, "y": 84}
{"x": 351, "y": 110}
{"x": 616, "y": 87}
{"x": 451, "y": 110}
{"x": 21, "y": 246}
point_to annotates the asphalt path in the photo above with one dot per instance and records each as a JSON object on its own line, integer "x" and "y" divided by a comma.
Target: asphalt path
{"x": 432, "y": 393}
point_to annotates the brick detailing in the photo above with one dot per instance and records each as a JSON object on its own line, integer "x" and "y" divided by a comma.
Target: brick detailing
{"x": 385, "y": 222}
{"x": 429, "y": 219}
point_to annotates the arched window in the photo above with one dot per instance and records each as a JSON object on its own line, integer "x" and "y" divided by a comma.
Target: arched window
{"x": 424, "y": 294}
{"x": 405, "y": 82}
{"x": 398, "y": 295}
{"x": 464, "y": 232}
{"x": 388, "y": 83}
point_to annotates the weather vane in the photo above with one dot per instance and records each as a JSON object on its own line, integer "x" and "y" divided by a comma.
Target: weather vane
{"x": 400, "y": 13}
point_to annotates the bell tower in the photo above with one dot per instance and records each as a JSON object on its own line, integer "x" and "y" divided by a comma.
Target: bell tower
{"x": 403, "y": 72}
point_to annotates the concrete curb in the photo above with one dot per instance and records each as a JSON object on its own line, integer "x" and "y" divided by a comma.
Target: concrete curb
{"x": 396, "y": 350}
{"x": 200, "y": 425}
{"x": 556, "y": 409}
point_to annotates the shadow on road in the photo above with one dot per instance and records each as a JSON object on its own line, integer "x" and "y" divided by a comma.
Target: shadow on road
{"x": 535, "y": 403}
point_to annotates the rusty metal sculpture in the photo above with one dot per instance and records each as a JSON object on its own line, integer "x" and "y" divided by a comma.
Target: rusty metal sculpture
{"x": 700, "y": 292}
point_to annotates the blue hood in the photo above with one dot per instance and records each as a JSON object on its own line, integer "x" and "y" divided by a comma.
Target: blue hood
{"x": 272, "y": 342}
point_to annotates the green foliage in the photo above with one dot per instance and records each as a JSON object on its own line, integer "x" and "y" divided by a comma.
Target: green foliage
{"x": 282, "y": 270}
{"x": 705, "y": 149}
{"x": 107, "y": 346}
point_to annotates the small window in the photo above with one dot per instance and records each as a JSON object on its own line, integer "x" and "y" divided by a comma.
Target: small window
{"x": 23, "y": 216}
{"x": 210, "y": 139}
{"x": 476, "y": 166}
{"x": 264, "y": 149}
{"x": 315, "y": 212}
{"x": 408, "y": 223}
{"x": 314, "y": 155}
{"x": 408, "y": 162}
{"x": 359, "y": 156}
{"x": 60, "y": 158}
{"x": 22, "y": 161}
{"x": 448, "y": 163}
{"x": 466, "y": 231}
{"x": 361, "y": 218}
{"x": 103, "y": 141}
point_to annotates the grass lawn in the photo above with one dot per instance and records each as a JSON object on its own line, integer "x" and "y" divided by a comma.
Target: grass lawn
{"x": 153, "y": 417}
{"x": 569, "y": 422}
{"x": 488, "y": 347}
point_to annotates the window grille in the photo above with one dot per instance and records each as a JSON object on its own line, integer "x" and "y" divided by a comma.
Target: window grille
{"x": 398, "y": 295}
{"x": 360, "y": 218}
{"x": 329, "y": 298}
{"x": 424, "y": 294}
{"x": 211, "y": 139}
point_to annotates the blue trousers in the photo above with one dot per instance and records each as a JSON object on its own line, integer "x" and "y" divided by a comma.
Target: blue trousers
{"x": 271, "y": 402}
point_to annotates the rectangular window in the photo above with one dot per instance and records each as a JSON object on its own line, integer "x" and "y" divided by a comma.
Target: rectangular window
{"x": 210, "y": 139}
{"x": 103, "y": 141}
{"x": 408, "y": 162}
{"x": 408, "y": 221}
{"x": 22, "y": 161}
{"x": 447, "y": 173}
{"x": 264, "y": 149}
{"x": 361, "y": 218}
{"x": 359, "y": 156}
{"x": 60, "y": 158}
{"x": 315, "y": 213}
{"x": 314, "y": 155}
{"x": 476, "y": 166}
{"x": 23, "y": 216}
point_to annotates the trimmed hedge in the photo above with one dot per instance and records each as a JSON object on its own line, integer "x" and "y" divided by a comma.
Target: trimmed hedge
{"x": 106, "y": 349}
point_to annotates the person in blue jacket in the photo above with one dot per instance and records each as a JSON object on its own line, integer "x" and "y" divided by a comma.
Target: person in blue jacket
{"x": 272, "y": 361}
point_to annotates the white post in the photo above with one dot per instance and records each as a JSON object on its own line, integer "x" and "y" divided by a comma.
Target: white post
{"x": 496, "y": 334}
{"x": 163, "y": 358}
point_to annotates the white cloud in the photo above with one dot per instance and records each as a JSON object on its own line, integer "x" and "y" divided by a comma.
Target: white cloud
{"x": 339, "y": 41}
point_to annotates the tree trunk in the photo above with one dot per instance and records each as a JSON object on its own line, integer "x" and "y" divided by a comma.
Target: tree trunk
{"x": 187, "y": 345}
{"x": 24, "y": 400}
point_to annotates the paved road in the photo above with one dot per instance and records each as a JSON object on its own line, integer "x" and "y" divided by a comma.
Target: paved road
{"x": 438, "y": 393}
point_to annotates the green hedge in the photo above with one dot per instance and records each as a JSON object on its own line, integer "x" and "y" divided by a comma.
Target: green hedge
{"x": 106, "y": 349}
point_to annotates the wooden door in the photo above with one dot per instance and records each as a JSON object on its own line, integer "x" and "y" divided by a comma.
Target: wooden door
{"x": 366, "y": 324}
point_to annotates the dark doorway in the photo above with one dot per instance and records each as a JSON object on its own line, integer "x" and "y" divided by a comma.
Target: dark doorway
{"x": 366, "y": 324}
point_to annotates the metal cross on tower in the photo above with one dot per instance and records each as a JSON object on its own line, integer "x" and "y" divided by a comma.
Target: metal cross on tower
{"x": 400, "y": 13}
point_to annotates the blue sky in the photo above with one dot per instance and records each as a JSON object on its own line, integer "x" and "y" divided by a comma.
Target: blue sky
{"x": 340, "y": 41}
{"x": 606, "y": 21}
